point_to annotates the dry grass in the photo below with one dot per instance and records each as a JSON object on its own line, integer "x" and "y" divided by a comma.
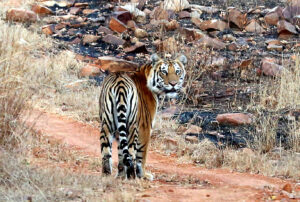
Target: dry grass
{"x": 32, "y": 74}
{"x": 21, "y": 180}
{"x": 265, "y": 154}
{"x": 277, "y": 98}
{"x": 278, "y": 162}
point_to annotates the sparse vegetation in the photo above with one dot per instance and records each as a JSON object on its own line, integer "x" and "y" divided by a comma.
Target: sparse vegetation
{"x": 31, "y": 74}
{"x": 35, "y": 73}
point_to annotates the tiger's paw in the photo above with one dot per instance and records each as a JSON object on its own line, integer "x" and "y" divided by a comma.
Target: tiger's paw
{"x": 107, "y": 165}
{"x": 149, "y": 176}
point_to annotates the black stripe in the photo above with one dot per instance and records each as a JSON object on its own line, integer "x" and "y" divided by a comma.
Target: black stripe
{"x": 122, "y": 128}
{"x": 123, "y": 143}
{"x": 121, "y": 108}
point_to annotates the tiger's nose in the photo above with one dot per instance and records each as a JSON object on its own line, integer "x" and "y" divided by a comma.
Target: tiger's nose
{"x": 172, "y": 83}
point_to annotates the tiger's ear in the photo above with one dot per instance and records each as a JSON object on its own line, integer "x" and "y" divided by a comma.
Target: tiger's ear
{"x": 154, "y": 58}
{"x": 182, "y": 59}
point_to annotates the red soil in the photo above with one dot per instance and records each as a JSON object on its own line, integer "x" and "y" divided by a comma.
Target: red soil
{"x": 222, "y": 185}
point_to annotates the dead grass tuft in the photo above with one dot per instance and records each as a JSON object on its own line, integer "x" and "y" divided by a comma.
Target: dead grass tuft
{"x": 21, "y": 181}
{"x": 279, "y": 97}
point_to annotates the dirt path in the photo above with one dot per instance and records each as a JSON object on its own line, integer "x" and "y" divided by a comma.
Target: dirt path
{"x": 221, "y": 185}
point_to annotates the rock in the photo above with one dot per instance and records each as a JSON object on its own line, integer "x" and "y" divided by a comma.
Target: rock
{"x": 184, "y": 14}
{"x": 68, "y": 17}
{"x": 123, "y": 16}
{"x": 117, "y": 25}
{"x": 72, "y": 32}
{"x": 160, "y": 14}
{"x": 21, "y": 15}
{"x": 41, "y": 10}
{"x": 104, "y": 30}
{"x": 81, "y": 5}
{"x": 253, "y": 26}
{"x": 176, "y": 5}
{"x": 60, "y": 26}
{"x": 62, "y": 4}
{"x": 197, "y": 22}
{"x": 211, "y": 42}
{"x": 137, "y": 48}
{"x": 284, "y": 27}
{"x": 288, "y": 188}
{"x": 192, "y": 34}
{"x": 75, "y": 10}
{"x": 147, "y": 11}
{"x": 169, "y": 45}
{"x": 171, "y": 142}
{"x": 196, "y": 14}
{"x": 273, "y": 42}
{"x": 50, "y": 3}
{"x": 89, "y": 70}
{"x": 75, "y": 41}
{"x": 140, "y": 3}
{"x": 291, "y": 11}
{"x": 170, "y": 26}
{"x": 109, "y": 38}
{"x": 181, "y": 129}
{"x": 216, "y": 61}
{"x": 193, "y": 129}
{"x": 138, "y": 15}
{"x": 131, "y": 25}
{"x": 228, "y": 37}
{"x": 272, "y": 47}
{"x": 245, "y": 64}
{"x": 269, "y": 68}
{"x": 192, "y": 139}
{"x": 89, "y": 38}
{"x": 233, "y": 46}
{"x": 273, "y": 16}
{"x": 206, "y": 9}
{"x": 89, "y": 11}
{"x": 48, "y": 29}
{"x": 235, "y": 16}
{"x": 213, "y": 24}
{"x": 234, "y": 119}
{"x": 113, "y": 64}
{"x": 140, "y": 33}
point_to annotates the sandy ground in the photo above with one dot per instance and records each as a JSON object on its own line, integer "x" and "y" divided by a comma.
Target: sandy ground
{"x": 216, "y": 184}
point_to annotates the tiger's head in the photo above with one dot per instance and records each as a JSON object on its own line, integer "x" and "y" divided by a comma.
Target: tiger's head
{"x": 166, "y": 76}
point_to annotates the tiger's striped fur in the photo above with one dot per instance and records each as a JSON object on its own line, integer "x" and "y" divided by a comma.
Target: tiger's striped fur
{"x": 128, "y": 104}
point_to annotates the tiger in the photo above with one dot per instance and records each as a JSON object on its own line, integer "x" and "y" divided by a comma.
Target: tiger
{"x": 128, "y": 105}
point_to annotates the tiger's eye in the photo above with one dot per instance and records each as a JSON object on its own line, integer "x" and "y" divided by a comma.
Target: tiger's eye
{"x": 164, "y": 72}
{"x": 178, "y": 71}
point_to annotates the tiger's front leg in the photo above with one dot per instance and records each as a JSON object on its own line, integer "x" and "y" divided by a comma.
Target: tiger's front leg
{"x": 141, "y": 155}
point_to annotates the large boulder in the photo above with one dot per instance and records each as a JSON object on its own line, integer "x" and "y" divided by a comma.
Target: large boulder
{"x": 21, "y": 15}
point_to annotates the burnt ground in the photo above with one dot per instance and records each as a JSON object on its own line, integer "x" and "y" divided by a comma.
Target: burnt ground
{"x": 219, "y": 88}
{"x": 239, "y": 4}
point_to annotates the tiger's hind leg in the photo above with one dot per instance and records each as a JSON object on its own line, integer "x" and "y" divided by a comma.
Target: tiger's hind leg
{"x": 126, "y": 163}
{"x": 106, "y": 149}
{"x": 133, "y": 142}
